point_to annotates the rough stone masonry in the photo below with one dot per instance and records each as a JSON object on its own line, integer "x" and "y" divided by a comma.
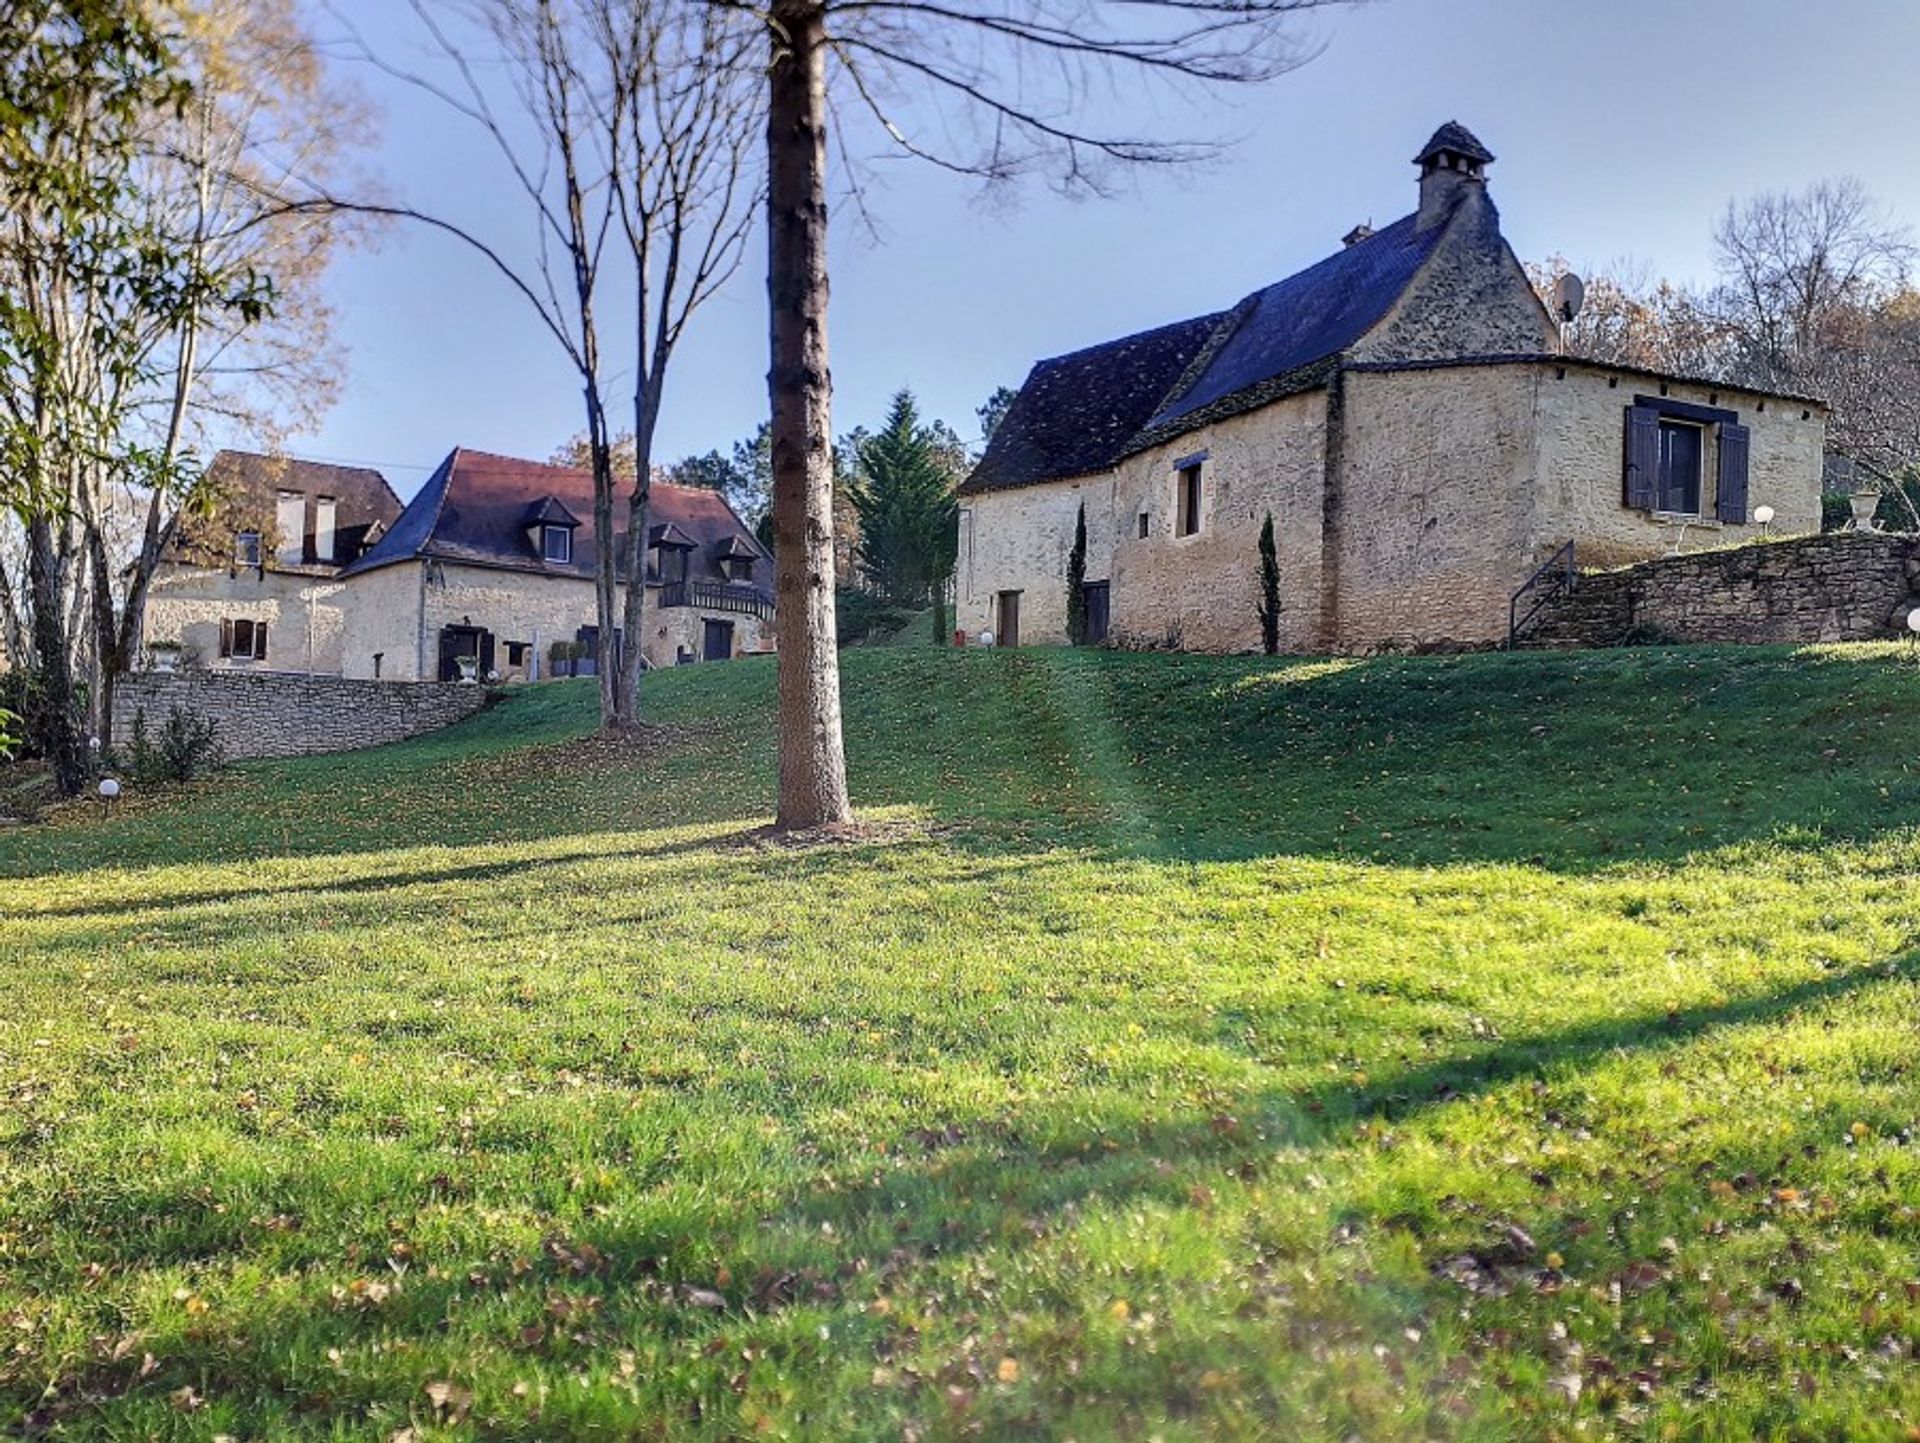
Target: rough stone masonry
{"x": 1843, "y": 586}
{"x": 277, "y": 714}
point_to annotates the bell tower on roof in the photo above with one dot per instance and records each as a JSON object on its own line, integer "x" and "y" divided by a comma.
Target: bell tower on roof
{"x": 1450, "y": 164}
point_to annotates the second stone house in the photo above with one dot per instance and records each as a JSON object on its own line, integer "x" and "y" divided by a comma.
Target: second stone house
{"x": 1403, "y": 413}
{"x": 491, "y": 569}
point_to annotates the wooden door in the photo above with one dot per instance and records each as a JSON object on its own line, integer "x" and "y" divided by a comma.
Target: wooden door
{"x": 717, "y": 641}
{"x": 1098, "y": 596}
{"x": 1007, "y": 631}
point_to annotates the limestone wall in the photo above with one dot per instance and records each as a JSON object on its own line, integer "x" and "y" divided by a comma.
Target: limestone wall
{"x": 304, "y": 616}
{"x": 540, "y": 610}
{"x": 1471, "y": 297}
{"x": 1844, "y": 586}
{"x": 382, "y": 638}
{"x": 1434, "y": 517}
{"x": 1019, "y": 540}
{"x": 266, "y": 714}
{"x": 1582, "y": 411}
{"x": 1201, "y": 592}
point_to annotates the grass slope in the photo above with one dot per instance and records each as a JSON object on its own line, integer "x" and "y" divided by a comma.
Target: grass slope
{"x": 1489, "y": 1047}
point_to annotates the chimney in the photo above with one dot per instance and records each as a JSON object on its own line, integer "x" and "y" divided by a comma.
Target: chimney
{"x": 1361, "y": 232}
{"x": 1451, "y": 164}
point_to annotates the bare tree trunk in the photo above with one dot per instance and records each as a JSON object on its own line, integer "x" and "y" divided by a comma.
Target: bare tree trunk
{"x": 54, "y": 722}
{"x": 813, "y": 765}
{"x": 633, "y": 660}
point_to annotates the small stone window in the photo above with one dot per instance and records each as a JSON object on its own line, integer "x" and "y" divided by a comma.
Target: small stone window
{"x": 1188, "y": 498}
{"x": 1146, "y": 525}
{"x": 246, "y": 548}
{"x": 516, "y": 653}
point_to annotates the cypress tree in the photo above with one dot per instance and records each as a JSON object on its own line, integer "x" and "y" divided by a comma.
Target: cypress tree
{"x": 1269, "y": 590}
{"x": 1077, "y": 581}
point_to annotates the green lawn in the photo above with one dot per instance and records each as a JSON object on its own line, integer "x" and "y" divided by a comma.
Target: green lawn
{"x": 1498, "y": 1047}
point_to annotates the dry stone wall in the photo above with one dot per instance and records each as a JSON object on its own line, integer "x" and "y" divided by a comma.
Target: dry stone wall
{"x": 277, "y": 714}
{"x": 1843, "y": 586}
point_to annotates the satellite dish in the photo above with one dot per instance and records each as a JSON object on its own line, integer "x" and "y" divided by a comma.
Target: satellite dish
{"x": 1569, "y": 294}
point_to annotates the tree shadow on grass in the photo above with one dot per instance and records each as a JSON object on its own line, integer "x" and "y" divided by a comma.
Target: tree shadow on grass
{"x": 963, "y": 1187}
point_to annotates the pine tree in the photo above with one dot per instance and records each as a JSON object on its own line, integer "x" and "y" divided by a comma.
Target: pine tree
{"x": 1269, "y": 590}
{"x": 1077, "y": 581}
{"x": 903, "y": 493}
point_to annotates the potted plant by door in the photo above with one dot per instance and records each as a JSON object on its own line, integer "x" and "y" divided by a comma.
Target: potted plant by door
{"x": 560, "y": 659}
{"x": 469, "y": 669}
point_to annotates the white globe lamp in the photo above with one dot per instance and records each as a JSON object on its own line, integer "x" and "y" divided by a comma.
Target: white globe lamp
{"x": 1913, "y": 621}
{"x": 1764, "y": 516}
{"x": 986, "y": 638}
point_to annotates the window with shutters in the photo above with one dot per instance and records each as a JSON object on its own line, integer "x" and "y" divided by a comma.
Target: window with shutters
{"x": 243, "y": 639}
{"x": 1680, "y": 457}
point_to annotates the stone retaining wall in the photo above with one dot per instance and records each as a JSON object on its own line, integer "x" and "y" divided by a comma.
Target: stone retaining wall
{"x": 1843, "y": 586}
{"x": 282, "y": 714}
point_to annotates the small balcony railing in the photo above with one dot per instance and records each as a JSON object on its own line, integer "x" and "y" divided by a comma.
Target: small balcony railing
{"x": 718, "y": 596}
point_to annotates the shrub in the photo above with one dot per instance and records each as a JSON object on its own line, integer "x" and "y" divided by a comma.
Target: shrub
{"x": 863, "y": 616}
{"x": 188, "y": 748}
{"x": 10, "y": 739}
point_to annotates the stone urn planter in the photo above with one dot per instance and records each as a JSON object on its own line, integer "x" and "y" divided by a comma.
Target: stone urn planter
{"x": 1864, "y": 504}
{"x": 164, "y": 657}
{"x": 469, "y": 669}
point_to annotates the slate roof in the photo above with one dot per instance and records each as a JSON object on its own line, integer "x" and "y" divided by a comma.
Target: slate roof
{"x": 1076, "y": 413}
{"x": 245, "y": 486}
{"x": 1083, "y": 412}
{"x": 474, "y": 509}
{"x": 1457, "y": 138}
{"x": 548, "y": 511}
{"x": 1309, "y": 317}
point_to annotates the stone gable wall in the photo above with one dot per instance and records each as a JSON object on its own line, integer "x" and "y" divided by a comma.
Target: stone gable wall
{"x": 277, "y": 714}
{"x": 1470, "y": 298}
{"x": 1843, "y": 586}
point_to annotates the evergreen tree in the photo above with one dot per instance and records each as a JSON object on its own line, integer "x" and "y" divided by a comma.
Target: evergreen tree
{"x": 1077, "y": 581}
{"x": 1269, "y": 590}
{"x": 903, "y": 494}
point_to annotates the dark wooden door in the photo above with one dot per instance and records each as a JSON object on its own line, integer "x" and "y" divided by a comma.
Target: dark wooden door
{"x": 1098, "y": 602}
{"x": 459, "y": 641}
{"x": 1007, "y": 632}
{"x": 717, "y": 641}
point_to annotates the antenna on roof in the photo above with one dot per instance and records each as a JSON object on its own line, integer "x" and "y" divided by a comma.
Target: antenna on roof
{"x": 1569, "y": 294}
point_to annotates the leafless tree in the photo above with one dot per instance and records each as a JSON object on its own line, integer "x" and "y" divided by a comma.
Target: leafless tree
{"x": 986, "y": 90}
{"x": 1793, "y": 266}
{"x": 629, "y": 134}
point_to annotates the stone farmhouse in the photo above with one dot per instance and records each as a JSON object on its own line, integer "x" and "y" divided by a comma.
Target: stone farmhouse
{"x": 494, "y": 560}
{"x": 1403, "y": 411}
{"x": 255, "y": 584}
{"x": 318, "y": 569}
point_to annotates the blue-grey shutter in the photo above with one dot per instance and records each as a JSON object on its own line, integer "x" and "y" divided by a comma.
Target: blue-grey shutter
{"x": 1730, "y": 503}
{"x": 1643, "y": 457}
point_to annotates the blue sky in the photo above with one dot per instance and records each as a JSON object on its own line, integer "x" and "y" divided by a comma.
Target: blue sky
{"x": 1622, "y": 128}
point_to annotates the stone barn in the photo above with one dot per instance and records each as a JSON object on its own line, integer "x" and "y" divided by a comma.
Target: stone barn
{"x": 1403, "y": 412}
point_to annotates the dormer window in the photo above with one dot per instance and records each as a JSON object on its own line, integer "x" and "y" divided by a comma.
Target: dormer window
{"x": 246, "y": 548}
{"x": 550, "y": 531}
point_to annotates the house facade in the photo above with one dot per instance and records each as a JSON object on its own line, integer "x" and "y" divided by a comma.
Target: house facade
{"x": 253, "y": 581}
{"x": 1403, "y": 412}
{"x": 494, "y": 560}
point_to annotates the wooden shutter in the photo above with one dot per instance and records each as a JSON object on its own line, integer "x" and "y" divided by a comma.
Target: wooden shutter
{"x": 1643, "y": 458}
{"x": 259, "y": 641}
{"x": 1730, "y": 503}
{"x": 226, "y": 638}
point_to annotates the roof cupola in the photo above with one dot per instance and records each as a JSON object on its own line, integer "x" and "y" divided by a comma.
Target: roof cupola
{"x": 1450, "y": 163}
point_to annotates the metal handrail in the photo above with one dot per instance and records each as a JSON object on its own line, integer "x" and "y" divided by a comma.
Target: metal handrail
{"x": 1555, "y": 576}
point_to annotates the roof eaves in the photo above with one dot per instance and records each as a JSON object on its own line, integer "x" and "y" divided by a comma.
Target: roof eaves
{"x": 1310, "y": 377}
